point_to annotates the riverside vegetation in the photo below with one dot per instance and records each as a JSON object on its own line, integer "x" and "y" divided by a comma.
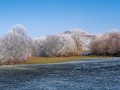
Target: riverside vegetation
{"x": 17, "y": 47}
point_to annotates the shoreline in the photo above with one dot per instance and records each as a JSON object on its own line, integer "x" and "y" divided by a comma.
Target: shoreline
{"x": 86, "y": 60}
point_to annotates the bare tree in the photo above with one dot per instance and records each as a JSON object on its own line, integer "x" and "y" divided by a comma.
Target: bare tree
{"x": 108, "y": 43}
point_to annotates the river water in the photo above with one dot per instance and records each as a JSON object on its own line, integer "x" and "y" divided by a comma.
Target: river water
{"x": 89, "y": 74}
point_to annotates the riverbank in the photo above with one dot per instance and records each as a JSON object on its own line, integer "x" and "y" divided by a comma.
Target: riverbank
{"x": 48, "y": 60}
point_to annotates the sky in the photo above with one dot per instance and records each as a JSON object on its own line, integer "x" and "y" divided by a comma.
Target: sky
{"x": 44, "y": 17}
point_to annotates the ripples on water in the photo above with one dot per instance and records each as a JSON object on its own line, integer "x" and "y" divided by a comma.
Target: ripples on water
{"x": 95, "y": 74}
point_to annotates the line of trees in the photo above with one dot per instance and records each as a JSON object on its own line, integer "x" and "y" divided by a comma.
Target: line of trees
{"x": 60, "y": 44}
{"x": 16, "y": 45}
{"x": 55, "y": 45}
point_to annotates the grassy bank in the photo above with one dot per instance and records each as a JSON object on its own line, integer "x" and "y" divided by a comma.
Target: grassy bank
{"x": 46, "y": 60}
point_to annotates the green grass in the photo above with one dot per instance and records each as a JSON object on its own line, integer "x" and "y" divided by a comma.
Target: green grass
{"x": 46, "y": 60}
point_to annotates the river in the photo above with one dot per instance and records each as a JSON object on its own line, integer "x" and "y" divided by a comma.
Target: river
{"x": 89, "y": 74}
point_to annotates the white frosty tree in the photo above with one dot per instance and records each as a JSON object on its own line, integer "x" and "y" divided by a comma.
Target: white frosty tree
{"x": 77, "y": 37}
{"x": 59, "y": 45}
{"x": 15, "y": 45}
{"x": 38, "y": 47}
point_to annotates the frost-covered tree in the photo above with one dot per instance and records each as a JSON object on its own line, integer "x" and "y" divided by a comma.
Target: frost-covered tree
{"x": 15, "y": 45}
{"x": 59, "y": 45}
{"x": 38, "y": 47}
{"x": 77, "y": 37}
{"x": 81, "y": 38}
{"x": 68, "y": 46}
{"x": 51, "y": 45}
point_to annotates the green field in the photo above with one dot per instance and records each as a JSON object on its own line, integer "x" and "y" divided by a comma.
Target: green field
{"x": 46, "y": 60}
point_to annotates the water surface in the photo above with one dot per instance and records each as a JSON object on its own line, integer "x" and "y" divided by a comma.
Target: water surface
{"x": 95, "y": 74}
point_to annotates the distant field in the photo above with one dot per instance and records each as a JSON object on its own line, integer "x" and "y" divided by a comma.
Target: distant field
{"x": 46, "y": 60}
